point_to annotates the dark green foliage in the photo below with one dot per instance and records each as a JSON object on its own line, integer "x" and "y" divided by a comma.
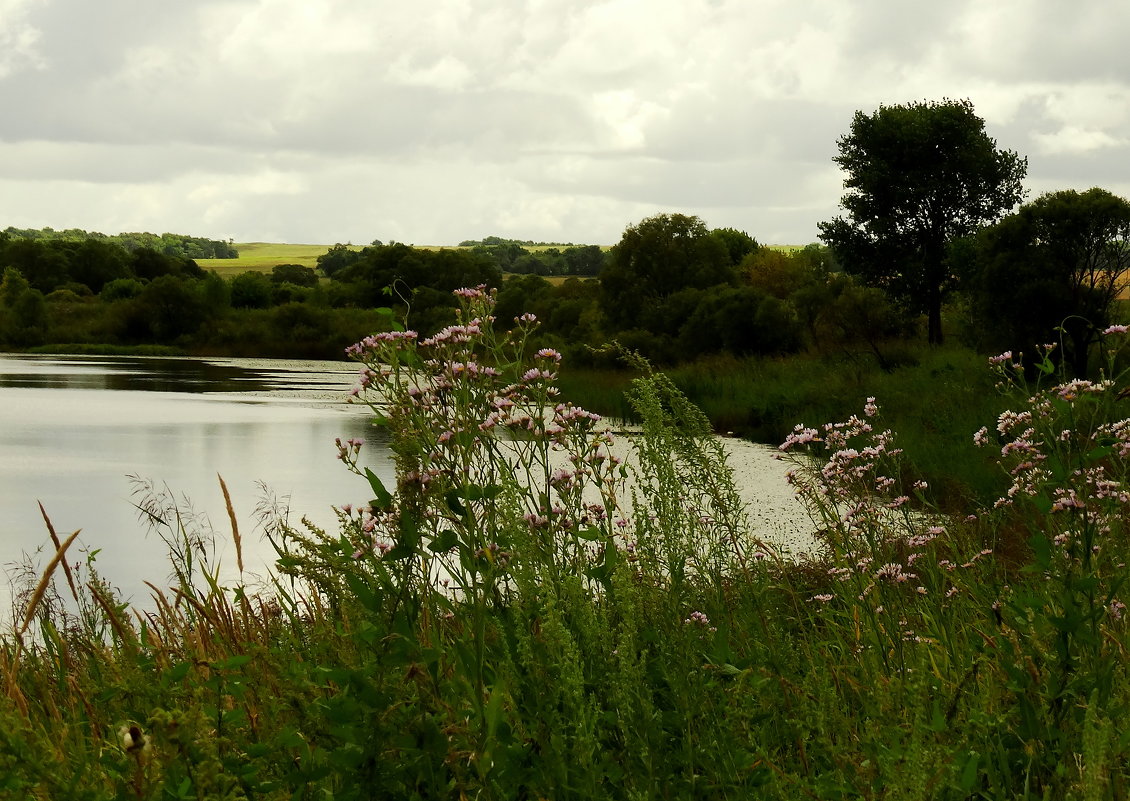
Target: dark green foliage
{"x": 738, "y": 244}
{"x": 251, "y": 290}
{"x": 741, "y": 321}
{"x": 95, "y": 263}
{"x": 1061, "y": 260}
{"x": 919, "y": 176}
{"x": 294, "y": 274}
{"x": 175, "y": 245}
{"x": 581, "y": 260}
{"x": 336, "y": 259}
{"x": 23, "y": 311}
{"x": 657, "y": 258}
{"x": 300, "y": 324}
{"x": 121, "y": 289}
{"x": 404, "y": 275}
{"x": 170, "y": 307}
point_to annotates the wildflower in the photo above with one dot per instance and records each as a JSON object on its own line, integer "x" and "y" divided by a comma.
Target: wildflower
{"x": 823, "y": 597}
{"x": 1001, "y": 359}
{"x": 1114, "y": 329}
{"x": 699, "y": 619}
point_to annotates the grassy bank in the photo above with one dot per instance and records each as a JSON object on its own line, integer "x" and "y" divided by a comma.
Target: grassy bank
{"x": 936, "y": 399}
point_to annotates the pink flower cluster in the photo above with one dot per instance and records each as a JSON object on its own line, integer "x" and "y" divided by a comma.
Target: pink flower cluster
{"x": 464, "y": 411}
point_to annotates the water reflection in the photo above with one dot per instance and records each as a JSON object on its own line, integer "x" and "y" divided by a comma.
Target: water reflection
{"x": 73, "y": 429}
{"x": 125, "y": 373}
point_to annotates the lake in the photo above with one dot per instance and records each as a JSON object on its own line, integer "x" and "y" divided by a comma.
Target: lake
{"x": 73, "y": 429}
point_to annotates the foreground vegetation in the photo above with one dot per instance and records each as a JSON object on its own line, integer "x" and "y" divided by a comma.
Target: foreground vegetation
{"x": 523, "y": 616}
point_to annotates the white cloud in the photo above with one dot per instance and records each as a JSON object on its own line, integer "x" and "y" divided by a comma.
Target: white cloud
{"x": 544, "y": 119}
{"x": 18, "y": 38}
{"x": 1073, "y": 140}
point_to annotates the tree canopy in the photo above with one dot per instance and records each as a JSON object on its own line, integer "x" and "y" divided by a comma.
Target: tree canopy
{"x": 918, "y": 177}
{"x": 1058, "y": 262}
{"x": 659, "y": 257}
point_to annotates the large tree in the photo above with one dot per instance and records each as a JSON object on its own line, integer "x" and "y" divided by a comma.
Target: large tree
{"x": 918, "y": 177}
{"x": 657, "y": 258}
{"x": 1060, "y": 262}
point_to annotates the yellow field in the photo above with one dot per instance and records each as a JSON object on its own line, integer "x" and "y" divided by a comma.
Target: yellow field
{"x": 263, "y": 256}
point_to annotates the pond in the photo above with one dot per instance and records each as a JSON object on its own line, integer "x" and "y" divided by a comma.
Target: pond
{"x": 75, "y": 429}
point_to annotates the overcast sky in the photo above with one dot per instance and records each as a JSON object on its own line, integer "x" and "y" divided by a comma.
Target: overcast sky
{"x": 433, "y": 121}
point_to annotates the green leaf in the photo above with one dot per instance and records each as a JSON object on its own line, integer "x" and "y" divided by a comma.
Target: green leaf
{"x": 493, "y": 713}
{"x": 590, "y": 534}
{"x": 1098, "y": 453}
{"x": 446, "y": 540}
{"x": 179, "y": 671}
{"x": 233, "y": 662}
{"x": 383, "y": 499}
{"x": 473, "y": 492}
{"x": 409, "y": 528}
{"x": 453, "y": 502}
{"x": 969, "y": 772}
{"x": 1041, "y": 549}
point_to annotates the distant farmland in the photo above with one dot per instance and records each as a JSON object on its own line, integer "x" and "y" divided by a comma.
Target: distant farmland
{"x": 263, "y": 256}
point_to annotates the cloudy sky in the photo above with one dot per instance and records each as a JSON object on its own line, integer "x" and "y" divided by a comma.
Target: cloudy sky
{"x": 433, "y": 121}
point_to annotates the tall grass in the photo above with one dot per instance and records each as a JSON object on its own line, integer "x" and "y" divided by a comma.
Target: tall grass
{"x": 518, "y": 619}
{"x": 936, "y": 399}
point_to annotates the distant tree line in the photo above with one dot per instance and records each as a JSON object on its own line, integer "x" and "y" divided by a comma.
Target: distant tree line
{"x": 499, "y": 240}
{"x": 84, "y": 266}
{"x": 176, "y": 245}
{"x": 93, "y": 294}
{"x": 931, "y": 239}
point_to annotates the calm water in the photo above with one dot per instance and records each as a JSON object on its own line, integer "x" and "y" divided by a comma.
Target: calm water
{"x": 73, "y": 429}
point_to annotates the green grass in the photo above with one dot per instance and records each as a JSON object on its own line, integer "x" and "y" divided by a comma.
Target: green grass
{"x": 935, "y": 399}
{"x": 486, "y": 629}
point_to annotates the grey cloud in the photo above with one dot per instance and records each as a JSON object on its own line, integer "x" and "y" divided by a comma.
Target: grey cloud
{"x": 368, "y": 118}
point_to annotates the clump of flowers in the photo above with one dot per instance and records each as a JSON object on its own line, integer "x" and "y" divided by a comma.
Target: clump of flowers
{"x": 490, "y": 463}
{"x": 888, "y": 559}
{"x": 1065, "y": 452}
